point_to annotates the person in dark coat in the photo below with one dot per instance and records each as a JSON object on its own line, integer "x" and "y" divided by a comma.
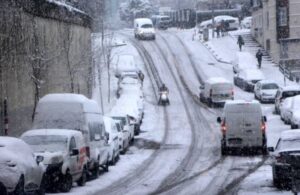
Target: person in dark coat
{"x": 259, "y": 55}
{"x": 240, "y": 42}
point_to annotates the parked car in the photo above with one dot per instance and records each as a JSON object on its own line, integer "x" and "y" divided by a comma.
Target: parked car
{"x": 285, "y": 92}
{"x": 289, "y": 106}
{"x": 295, "y": 121}
{"x": 21, "y": 171}
{"x": 243, "y": 61}
{"x": 247, "y": 22}
{"x": 246, "y": 79}
{"x": 143, "y": 29}
{"x": 243, "y": 126}
{"x": 64, "y": 153}
{"x": 126, "y": 63}
{"x": 113, "y": 141}
{"x": 285, "y": 155}
{"x": 74, "y": 111}
{"x": 265, "y": 91}
{"x": 124, "y": 136}
{"x": 216, "y": 91}
{"x": 124, "y": 118}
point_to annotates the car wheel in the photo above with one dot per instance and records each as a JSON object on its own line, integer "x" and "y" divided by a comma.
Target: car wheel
{"x": 95, "y": 172}
{"x": 66, "y": 182}
{"x": 83, "y": 178}
{"x": 113, "y": 159}
{"x": 106, "y": 166}
{"x": 19, "y": 190}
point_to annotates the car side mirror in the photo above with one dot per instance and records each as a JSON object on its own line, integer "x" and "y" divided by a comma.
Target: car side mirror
{"x": 74, "y": 152}
{"x": 265, "y": 118}
{"x": 97, "y": 137}
{"x": 219, "y": 120}
{"x": 271, "y": 149}
{"x": 39, "y": 159}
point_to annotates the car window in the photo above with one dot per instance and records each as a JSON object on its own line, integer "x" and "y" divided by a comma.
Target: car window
{"x": 147, "y": 26}
{"x": 72, "y": 144}
{"x": 96, "y": 129}
{"x": 270, "y": 86}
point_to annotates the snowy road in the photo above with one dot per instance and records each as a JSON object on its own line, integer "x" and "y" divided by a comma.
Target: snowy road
{"x": 185, "y": 157}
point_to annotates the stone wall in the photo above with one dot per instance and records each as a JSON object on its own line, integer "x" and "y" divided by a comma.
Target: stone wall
{"x": 40, "y": 52}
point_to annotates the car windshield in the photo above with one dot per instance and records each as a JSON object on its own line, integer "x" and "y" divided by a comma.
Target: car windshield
{"x": 49, "y": 143}
{"x": 121, "y": 119}
{"x": 270, "y": 86}
{"x": 147, "y": 26}
{"x": 289, "y": 144}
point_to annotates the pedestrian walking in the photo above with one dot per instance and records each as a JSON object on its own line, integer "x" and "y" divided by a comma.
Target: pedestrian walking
{"x": 240, "y": 42}
{"x": 218, "y": 31}
{"x": 259, "y": 55}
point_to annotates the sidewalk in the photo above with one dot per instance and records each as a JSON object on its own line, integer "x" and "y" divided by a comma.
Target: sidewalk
{"x": 224, "y": 50}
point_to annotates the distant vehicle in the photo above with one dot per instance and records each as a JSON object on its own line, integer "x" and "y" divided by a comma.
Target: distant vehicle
{"x": 265, "y": 91}
{"x": 161, "y": 21}
{"x": 285, "y": 92}
{"x": 143, "y": 29}
{"x": 247, "y": 22}
{"x": 125, "y": 64}
{"x": 233, "y": 22}
{"x": 113, "y": 141}
{"x": 242, "y": 61}
{"x": 246, "y": 79}
{"x": 216, "y": 91}
{"x": 124, "y": 136}
{"x": 289, "y": 106}
{"x": 21, "y": 172}
{"x": 74, "y": 111}
{"x": 285, "y": 155}
{"x": 243, "y": 126}
{"x": 64, "y": 153}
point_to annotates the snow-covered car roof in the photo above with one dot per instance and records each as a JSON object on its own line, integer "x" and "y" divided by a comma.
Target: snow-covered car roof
{"x": 265, "y": 81}
{"x": 60, "y": 132}
{"x": 88, "y": 104}
{"x": 242, "y": 102}
{"x": 214, "y": 80}
{"x": 290, "y": 134}
{"x": 291, "y": 88}
{"x": 246, "y": 60}
{"x": 253, "y": 74}
{"x": 130, "y": 81}
{"x": 125, "y": 107}
{"x": 108, "y": 124}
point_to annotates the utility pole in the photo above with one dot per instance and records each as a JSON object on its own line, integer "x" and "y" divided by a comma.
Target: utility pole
{"x": 213, "y": 18}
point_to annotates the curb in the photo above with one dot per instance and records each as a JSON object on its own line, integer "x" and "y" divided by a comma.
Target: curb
{"x": 214, "y": 54}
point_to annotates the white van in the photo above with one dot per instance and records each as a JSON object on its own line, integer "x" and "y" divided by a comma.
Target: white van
{"x": 125, "y": 64}
{"x": 243, "y": 126}
{"x": 74, "y": 111}
{"x": 64, "y": 155}
{"x": 216, "y": 91}
{"x": 143, "y": 29}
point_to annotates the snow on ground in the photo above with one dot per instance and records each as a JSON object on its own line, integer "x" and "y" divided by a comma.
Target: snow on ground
{"x": 209, "y": 58}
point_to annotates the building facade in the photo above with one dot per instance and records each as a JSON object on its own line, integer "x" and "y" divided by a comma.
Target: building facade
{"x": 276, "y": 26}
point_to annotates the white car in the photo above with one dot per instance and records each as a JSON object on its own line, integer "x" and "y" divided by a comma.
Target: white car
{"x": 246, "y": 79}
{"x": 289, "y": 106}
{"x": 285, "y": 92}
{"x": 265, "y": 90}
{"x": 113, "y": 141}
{"x": 124, "y": 136}
{"x": 144, "y": 29}
{"x": 247, "y": 22}
{"x": 64, "y": 153}
{"x": 20, "y": 171}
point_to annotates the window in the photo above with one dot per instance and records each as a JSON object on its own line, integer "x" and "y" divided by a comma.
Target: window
{"x": 282, "y": 16}
{"x": 72, "y": 144}
{"x": 96, "y": 129}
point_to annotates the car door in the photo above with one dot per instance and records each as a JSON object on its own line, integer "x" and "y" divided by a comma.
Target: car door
{"x": 103, "y": 143}
{"x": 74, "y": 159}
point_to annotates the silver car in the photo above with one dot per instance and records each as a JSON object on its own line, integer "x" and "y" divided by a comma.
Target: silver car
{"x": 21, "y": 172}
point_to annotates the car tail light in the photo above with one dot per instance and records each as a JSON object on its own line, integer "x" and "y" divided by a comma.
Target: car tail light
{"x": 279, "y": 159}
{"x": 223, "y": 128}
{"x": 263, "y": 127}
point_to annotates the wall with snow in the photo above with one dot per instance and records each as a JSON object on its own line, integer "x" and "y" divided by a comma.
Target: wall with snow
{"x": 40, "y": 54}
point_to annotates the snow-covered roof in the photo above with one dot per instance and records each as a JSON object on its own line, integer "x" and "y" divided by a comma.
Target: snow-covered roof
{"x": 60, "y": 132}
{"x": 253, "y": 74}
{"x": 64, "y": 4}
{"x": 125, "y": 106}
{"x": 213, "y": 80}
{"x": 290, "y": 134}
